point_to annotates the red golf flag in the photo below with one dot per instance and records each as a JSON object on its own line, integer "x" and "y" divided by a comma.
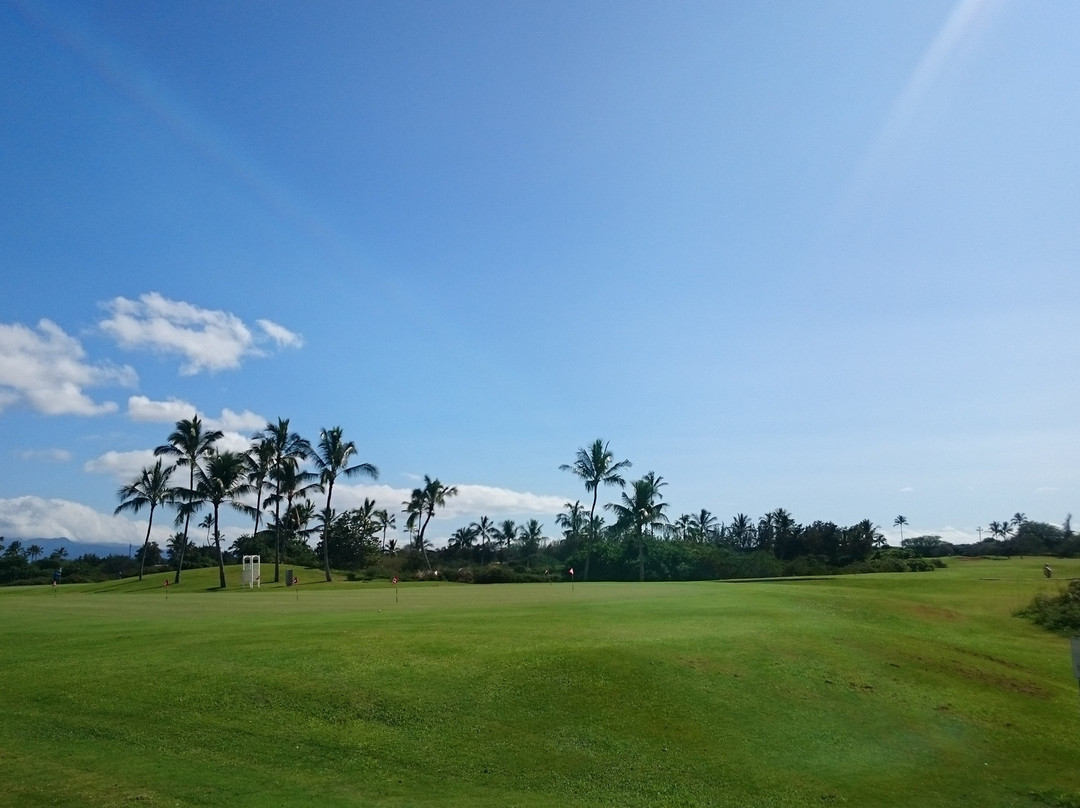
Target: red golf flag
{"x": 571, "y": 570}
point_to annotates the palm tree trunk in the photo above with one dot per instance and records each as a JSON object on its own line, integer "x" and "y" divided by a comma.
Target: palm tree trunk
{"x": 326, "y": 532}
{"x": 221, "y": 556}
{"x": 146, "y": 543}
{"x": 591, "y": 535}
{"x": 420, "y": 540}
{"x": 641, "y": 556}
{"x": 187, "y": 522}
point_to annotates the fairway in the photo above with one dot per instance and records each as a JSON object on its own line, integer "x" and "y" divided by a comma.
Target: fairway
{"x": 884, "y": 690}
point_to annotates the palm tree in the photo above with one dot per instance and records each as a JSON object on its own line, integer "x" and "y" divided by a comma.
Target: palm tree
{"x": 485, "y": 532}
{"x": 208, "y": 523}
{"x": 176, "y": 544}
{"x": 293, "y": 489}
{"x": 683, "y": 528}
{"x": 421, "y": 507}
{"x": 34, "y": 552}
{"x": 901, "y": 521}
{"x": 288, "y": 449}
{"x": 223, "y": 480}
{"x": 188, "y": 443}
{"x": 260, "y": 464}
{"x": 1019, "y": 520}
{"x": 705, "y": 526}
{"x": 1001, "y": 530}
{"x": 532, "y": 538}
{"x": 596, "y": 466}
{"x": 462, "y": 539}
{"x": 571, "y": 521}
{"x": 784, "y": 533}
{"x": 150, "y": 489}
{"x": 332, "y": 459}
{"x": 640, "y": 509}
{"x": 505, "y": 534}
{"x": 741, "y": 531}
{"x": 297, "y": 517}
{"x": 387, "y": 521}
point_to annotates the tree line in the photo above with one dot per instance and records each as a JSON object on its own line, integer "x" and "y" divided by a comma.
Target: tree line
{"x": 285, "y": 485}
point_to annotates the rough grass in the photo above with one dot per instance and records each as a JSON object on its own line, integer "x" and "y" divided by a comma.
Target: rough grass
{"x": 885, "y": 690}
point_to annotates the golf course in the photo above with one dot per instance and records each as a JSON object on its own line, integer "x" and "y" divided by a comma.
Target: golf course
{"x": 915, "y": 689}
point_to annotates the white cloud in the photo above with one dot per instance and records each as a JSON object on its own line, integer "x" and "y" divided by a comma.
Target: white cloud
{"x": 471, "y": 501}
{"x": 124, "y": 466}
{"x": 208, "y": 339}
{"x": 280, "y": 334}
{"x": 478, "y": 500}
{"x": 46, "y": 455}
{"x": 246, "y": 421}
{"x": 233, "y": 442}
{"x": 143, "y": 409}
{"x": 47, "y": 370}
{"x": 37, "y": 518}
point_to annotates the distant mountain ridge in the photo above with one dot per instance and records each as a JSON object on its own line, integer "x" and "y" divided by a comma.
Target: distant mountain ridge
{"x": 75, "y": 548}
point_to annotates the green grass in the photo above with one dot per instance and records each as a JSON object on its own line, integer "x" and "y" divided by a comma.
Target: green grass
{"x": 886, "y": 690}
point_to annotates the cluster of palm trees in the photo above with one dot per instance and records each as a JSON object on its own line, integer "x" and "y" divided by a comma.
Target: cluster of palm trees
{"x": 272, "y": 471}
{"x": 641, "y": 516}
{"x": 1002, "y": 530}
{"x": 495, "y": 541}
{"x": 642, "y": 508}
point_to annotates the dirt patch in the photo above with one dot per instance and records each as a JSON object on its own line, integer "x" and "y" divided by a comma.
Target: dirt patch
{"x": 1001, "y": 681}
{"x": 936, "y": 613}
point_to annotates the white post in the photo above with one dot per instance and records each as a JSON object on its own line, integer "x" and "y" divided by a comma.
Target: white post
{"x": 251, "y": 572}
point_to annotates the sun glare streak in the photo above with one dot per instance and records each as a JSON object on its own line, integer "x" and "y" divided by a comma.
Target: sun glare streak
{"x": 957, "y": 28}
{"x": 139, "y": 86}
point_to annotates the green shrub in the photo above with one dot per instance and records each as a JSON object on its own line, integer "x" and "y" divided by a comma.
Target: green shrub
{"x": 1059, "y": 613}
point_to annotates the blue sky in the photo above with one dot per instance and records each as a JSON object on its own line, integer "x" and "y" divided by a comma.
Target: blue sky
{"x": 819, "y": 256}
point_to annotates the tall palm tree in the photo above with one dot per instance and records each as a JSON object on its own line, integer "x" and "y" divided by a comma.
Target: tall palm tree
{"x": 293, "y": 488}
{"x": 901, "y": 521}
{"x": 224, "y": 480}
{"x": 331, "y": 460}
{"x": 150, "y": 489}
{"x": 641, "y": 508}
{"x": 188, "y": 444}
{"x": 260, "y": 464}
{"x": 485, "y": 532}
{"x": 596, "y": 466}
{"x": 34, "y": 552}
{"x": 288, "y": 449}
{"x": 421, "y": 507}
